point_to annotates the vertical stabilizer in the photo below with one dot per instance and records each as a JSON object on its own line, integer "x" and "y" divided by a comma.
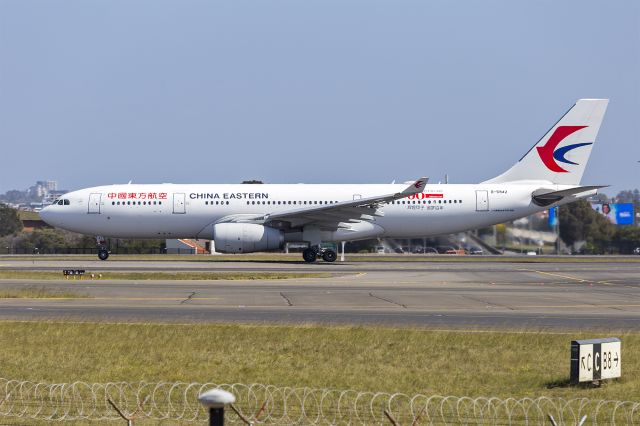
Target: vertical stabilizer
{"x": 561, "y": 156}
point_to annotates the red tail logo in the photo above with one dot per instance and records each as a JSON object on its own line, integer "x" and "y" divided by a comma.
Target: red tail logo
{"x": 548, "y": 153}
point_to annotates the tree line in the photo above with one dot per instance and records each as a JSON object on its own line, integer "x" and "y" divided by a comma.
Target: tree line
{"x": 14, "y": 239}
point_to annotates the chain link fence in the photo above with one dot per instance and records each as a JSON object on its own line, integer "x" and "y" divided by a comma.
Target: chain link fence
{"x": 265, "y": 404}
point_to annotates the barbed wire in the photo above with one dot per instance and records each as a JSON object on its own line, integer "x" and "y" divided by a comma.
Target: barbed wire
{"x": 267, "y": 404}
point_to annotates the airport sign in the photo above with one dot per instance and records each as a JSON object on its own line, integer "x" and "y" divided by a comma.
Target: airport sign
{"x": 595, "y": 359}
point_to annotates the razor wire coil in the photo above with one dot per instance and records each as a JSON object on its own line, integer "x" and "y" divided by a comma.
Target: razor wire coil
{"x": 268, "y": 404}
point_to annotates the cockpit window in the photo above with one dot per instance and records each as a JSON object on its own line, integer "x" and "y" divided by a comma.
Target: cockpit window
{"x": 66, "y": 202}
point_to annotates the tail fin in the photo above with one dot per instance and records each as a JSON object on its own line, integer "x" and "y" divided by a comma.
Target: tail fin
{"x": 561, "y": 156}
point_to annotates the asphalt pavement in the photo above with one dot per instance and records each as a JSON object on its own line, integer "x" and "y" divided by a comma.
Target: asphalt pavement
{"x": 473, "y": 295}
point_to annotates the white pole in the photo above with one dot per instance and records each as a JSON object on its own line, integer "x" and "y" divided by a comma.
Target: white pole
{"x": 342, "y": 254}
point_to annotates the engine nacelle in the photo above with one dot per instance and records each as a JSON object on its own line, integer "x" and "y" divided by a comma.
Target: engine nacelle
{"x": 246, "y": 238}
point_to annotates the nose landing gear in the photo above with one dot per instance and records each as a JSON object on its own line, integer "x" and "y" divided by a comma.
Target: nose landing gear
{"x": 103, "y": 249}
{"x": 103, "y": 254}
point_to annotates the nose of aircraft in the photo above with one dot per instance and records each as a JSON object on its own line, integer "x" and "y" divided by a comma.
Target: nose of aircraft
{"x": 46, "y": 214}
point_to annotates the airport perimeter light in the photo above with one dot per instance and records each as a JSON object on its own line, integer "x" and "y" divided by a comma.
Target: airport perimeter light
{"x": 215, "y": 400}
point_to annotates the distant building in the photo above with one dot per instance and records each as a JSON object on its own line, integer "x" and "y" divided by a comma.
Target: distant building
{"x": 42, "y": 188}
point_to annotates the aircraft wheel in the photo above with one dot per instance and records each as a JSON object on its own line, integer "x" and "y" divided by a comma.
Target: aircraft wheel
{"x": 309, "y": 255}
{"x": 329, "y": 256}
{"x": 103, "y": 254}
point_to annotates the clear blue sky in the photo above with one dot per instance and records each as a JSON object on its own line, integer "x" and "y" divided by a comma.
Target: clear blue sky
{"x": 105, "y": 91}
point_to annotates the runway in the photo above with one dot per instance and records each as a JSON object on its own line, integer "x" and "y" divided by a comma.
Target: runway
{"x": 577, "y": 296}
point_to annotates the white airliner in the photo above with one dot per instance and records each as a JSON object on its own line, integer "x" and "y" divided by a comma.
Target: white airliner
{"x": 249, "y": 218}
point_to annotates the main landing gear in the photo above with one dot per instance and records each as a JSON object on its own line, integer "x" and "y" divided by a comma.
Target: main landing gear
{"x": 103, "y": 250}
{"x": 312, "y": 253}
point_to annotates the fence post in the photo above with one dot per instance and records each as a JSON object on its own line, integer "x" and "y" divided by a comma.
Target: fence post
{"x": 393, "y": 421}
{"x": 215, "y": 400}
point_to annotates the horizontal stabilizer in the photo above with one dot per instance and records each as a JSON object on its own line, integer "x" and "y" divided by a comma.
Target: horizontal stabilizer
{"x": 544, "y": 197}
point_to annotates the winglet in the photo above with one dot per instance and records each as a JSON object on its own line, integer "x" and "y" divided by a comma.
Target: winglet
{"x": 416, "y": 187}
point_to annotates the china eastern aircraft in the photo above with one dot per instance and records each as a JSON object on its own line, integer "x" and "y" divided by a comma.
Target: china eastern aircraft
{"x": 250, "y": 218}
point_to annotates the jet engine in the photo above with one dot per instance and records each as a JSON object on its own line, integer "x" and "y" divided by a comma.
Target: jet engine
{"x": 246, "y": 238}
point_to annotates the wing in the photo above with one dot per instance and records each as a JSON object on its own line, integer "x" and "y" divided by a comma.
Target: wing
{"x": 330, "y": 216}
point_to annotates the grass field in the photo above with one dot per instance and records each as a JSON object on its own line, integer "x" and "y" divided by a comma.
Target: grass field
{"x": 363, "y": 358}
{"x": 47, "y": 275}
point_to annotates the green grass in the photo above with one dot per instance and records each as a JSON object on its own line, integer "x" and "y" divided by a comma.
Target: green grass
{"x": 38, "y": 293}
{"x": 363, "y": 358}
{"x": 47, "y": 275}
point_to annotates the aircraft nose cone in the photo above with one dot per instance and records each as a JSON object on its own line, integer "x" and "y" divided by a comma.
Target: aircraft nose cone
{"x": 46, "y": 215}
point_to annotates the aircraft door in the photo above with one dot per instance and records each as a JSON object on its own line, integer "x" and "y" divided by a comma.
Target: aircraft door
{"x": 482, "y": 201}
{"x": 94, "y": 203}
{"x": 178, "y": 203}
